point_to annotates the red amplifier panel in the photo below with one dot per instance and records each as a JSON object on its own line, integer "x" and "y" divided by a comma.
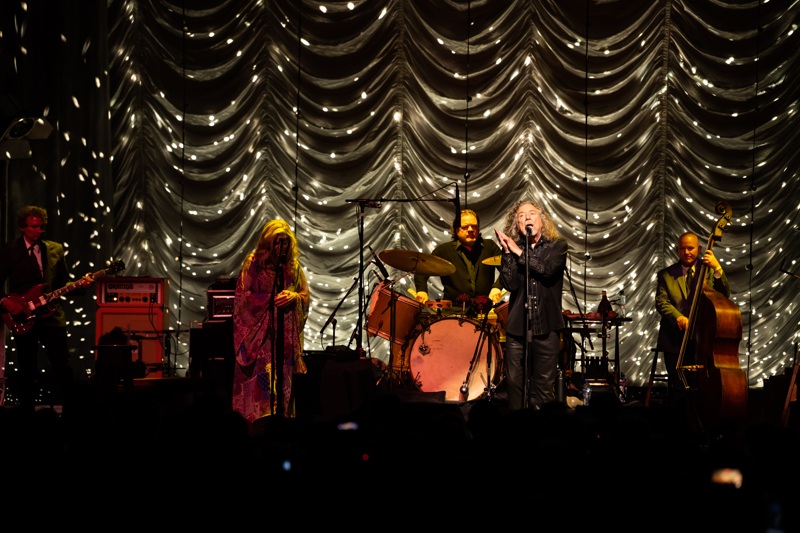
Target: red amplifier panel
{"x": 132, "y": 292}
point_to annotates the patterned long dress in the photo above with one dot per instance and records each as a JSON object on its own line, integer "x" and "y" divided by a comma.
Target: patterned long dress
{"x": 258, "y": 344}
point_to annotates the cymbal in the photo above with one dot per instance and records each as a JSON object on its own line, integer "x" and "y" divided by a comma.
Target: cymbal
{"x": 417, "y": 262}
{"x": 492, "y": 261}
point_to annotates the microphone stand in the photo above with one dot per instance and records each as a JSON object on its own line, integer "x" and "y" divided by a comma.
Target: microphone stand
{"x": 377, "y": 203}
{"x": 335, "y": 310}
{"x": 278, "y": 342}
{"x": 528, "y": 335}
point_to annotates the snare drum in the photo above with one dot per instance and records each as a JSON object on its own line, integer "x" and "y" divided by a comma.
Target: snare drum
{"x": 441, "y": 354}
{"x": 379, "y": 321}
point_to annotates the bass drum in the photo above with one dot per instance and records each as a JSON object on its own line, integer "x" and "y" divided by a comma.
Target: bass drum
{"x": 441, "y": 354}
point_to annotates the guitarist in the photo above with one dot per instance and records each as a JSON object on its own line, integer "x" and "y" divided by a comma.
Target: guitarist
{"x": 26, "y": 262}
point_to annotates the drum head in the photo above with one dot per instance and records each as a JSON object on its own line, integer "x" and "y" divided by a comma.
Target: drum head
{"x": 457, "y": 356}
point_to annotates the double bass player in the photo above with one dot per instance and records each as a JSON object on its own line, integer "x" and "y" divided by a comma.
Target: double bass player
{"x": 674, "y": 291}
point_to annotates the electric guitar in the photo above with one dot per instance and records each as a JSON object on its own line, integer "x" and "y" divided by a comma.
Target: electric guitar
{"x": 36, "y": 303}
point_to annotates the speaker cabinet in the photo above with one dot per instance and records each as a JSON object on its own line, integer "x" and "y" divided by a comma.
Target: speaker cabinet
{"x": 212, "y": 359}
{"x": 144, "y": 327}
{"x": 334, "y": 388}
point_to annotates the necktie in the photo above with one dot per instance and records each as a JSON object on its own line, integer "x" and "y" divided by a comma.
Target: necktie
{"x": 37, "y": 255}
{"x": 689, "y": 279}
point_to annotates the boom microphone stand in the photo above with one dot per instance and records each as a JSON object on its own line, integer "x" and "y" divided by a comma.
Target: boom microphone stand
{"x": 336, "y": 310}
{"x": 377, "y": 203}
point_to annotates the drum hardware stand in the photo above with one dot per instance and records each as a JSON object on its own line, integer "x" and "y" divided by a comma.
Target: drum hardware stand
{"x": 489, "y": 387}
{"x": 394, "y": 377}
{"x": 604, "y": 336}
{"x": 585, "y": 334}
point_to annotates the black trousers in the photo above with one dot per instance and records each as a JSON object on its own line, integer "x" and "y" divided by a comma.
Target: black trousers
{"x": 542, "y": 369}
{"x": 54, "y": 341}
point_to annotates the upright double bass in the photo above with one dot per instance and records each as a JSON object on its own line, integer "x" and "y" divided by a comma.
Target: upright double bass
{"x": 714, "y": 333}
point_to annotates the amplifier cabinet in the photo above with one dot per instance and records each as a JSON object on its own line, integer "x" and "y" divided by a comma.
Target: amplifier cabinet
{"x": 143, "y": 326}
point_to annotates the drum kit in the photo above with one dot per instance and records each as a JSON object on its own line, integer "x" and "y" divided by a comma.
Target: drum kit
{"x": 434, "y": 346}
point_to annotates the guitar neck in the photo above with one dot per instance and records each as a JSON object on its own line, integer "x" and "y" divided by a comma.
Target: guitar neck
{"x": 69, "y": 288}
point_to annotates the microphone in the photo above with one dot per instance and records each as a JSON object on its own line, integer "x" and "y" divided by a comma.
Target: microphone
{"x": 529, "y": 229}
{"x": 369, "y": 203}
{"x": 284, "y": 252}
{"x": 379, "y": 263}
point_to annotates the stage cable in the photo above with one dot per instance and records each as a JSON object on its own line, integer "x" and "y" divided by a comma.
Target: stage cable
{"x": 753, "y": 189}
{"x": 167, "y": 337}
{"x": 295, "y": 187}
{"x": 586, "y": 254}
{"x": 466, "y": 111}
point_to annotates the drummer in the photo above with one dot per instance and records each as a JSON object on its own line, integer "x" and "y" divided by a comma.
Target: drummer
{"x": 475, "y": 279}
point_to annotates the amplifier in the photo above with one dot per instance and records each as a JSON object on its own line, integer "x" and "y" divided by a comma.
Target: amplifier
{"x": 219, "y": 299}
{"x": 220, "y": 303}
{"x": 132, "y": 292}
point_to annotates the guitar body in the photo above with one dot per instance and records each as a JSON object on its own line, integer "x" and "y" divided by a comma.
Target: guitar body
{"x": 35, "y": 302}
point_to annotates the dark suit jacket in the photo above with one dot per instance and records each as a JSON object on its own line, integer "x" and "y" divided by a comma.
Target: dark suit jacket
{"x": 673, "y": 301}
{"x": 546, "y": 264}
{"x": 19, "y": 273}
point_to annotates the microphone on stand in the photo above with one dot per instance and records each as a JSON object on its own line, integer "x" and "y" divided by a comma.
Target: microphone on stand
{"x": 284, "y": 252}
{"x": 378, "y": 263}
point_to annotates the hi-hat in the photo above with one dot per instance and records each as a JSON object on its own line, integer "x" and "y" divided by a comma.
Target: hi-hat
{"x": 417, "y": 262}
{"x": 492, "y": 261}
